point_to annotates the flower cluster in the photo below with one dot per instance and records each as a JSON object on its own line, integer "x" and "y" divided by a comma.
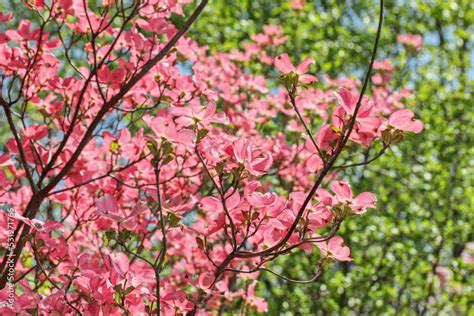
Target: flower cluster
{"x": 151, "y": 177}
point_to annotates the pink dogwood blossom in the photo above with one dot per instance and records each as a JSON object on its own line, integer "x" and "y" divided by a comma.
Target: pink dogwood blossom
{"x": 413, "y": 41}
{"x": 284, "y": 65}
{"x": 335, "y": 248}
{"x": 404, "y": 120}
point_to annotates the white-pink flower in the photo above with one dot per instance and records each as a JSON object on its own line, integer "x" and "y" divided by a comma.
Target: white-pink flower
{"x": 335, "y": 248}
{"x": 284, "y": 65}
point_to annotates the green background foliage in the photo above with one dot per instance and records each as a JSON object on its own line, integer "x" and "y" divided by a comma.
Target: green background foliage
{"x": 424, "y": 185}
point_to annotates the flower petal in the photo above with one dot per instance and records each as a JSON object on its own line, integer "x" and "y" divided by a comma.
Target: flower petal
{"x": 303, "y": 67}
{"x": 283, "y": 64}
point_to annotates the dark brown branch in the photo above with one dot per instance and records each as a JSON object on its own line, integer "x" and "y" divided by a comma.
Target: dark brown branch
{"x": 366, "y": 161}
{"x": 19, "y": 144}
{"x": 308, "y": 131}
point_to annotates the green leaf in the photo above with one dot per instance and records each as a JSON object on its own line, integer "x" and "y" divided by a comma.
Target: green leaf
{"x": 202, "y": 133}
{"x": 173, "y": 220}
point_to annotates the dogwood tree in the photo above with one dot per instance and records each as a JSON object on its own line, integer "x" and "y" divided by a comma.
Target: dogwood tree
{"x": 149, "y": 176}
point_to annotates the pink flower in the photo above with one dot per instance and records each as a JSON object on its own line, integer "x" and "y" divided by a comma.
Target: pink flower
{"x": 35, "y": 132}
{"x": 189, "y": 115}
{"x": 325, "y": 139}
{"x": 444, "y": 275}
{"x": 107, "y": 206}
{"x": 3, "y": 179}
{"x": 4, "y": 38}
{"x": 254, "y": 161}
{"x": 258, "y": 199}
{"x": 344, "y": 196}
{"x": 284, "y": 65}
{"x": 167, "y": 129}
{"x": 258, "y": 302}
{"x": 413, "y": 41}
{"x": 366, "y": 125}
{"x": 157, "y": 25}
{"x": 34, "y": 223}
{"x": 468, "y": 253}
{"x": 347, "y": 100}
{"x": 205, "y": 280}
{"x": 297, "y": 4}
{"x": 384, "y": 65}
{"x": 214, "y": 209}
{"x": 314, "y": 162}
{"x": 319, "y": 217}
{"x": 335, "y": 248}
{"x": 404, "y": 120}
{"x": 106, "y": 76}
{"x": 23, "y": 33}
{"x": 6, "y": 18}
